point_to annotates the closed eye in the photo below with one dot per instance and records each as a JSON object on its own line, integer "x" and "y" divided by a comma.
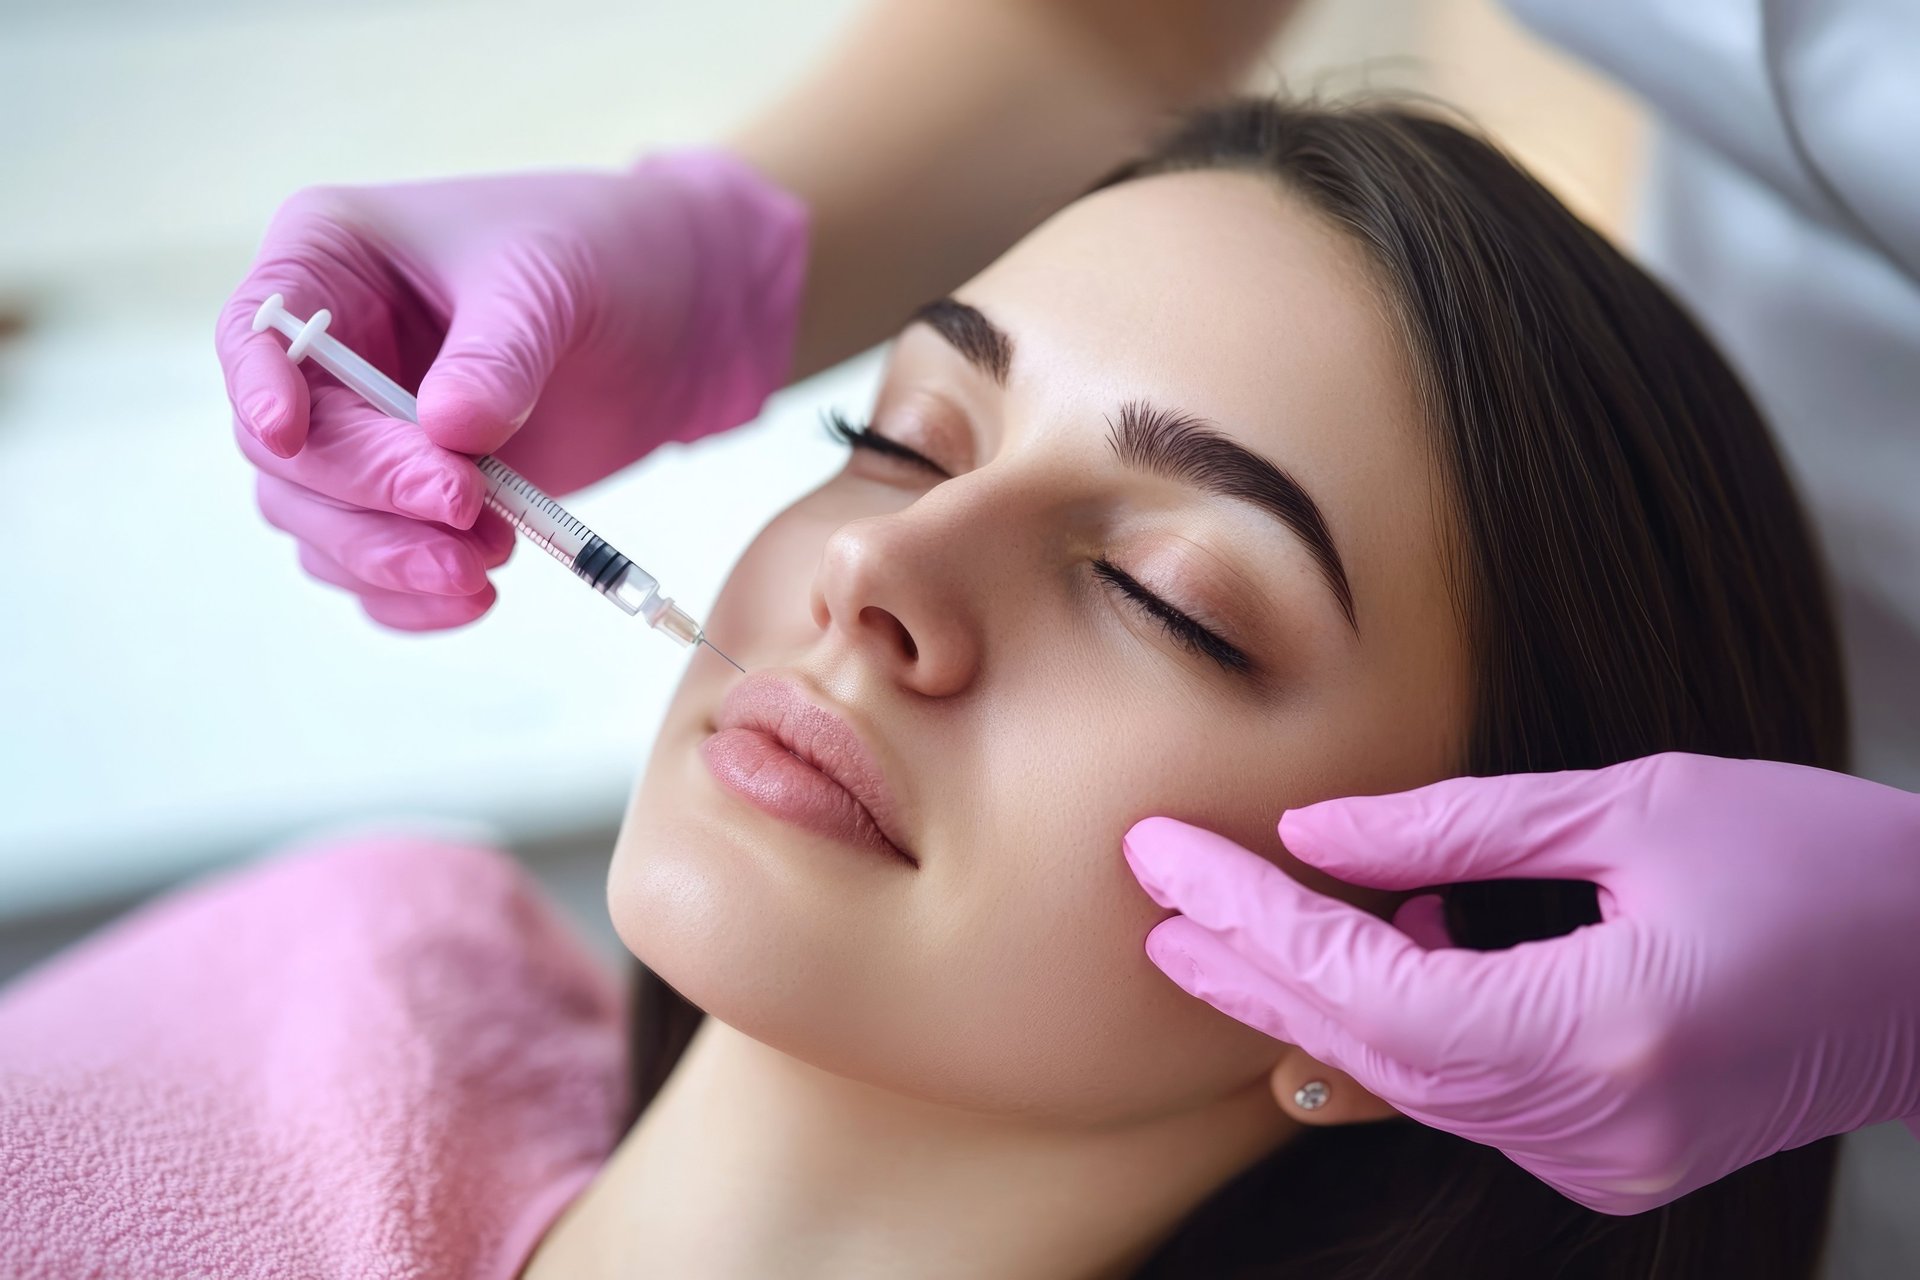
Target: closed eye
{"x": 863, "y": 436}
{"x": 1188, "y": 633}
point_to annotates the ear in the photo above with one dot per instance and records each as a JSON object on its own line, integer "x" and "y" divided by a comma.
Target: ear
{"x": 1347, "y": 1102}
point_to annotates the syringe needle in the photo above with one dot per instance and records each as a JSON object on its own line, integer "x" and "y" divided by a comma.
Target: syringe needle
{"x": 736, "y": 666}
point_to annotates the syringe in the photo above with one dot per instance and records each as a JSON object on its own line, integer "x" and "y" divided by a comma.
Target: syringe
{"x": 538, "y": 517}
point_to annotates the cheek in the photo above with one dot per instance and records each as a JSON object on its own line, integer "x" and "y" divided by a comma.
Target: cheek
{"x": 1045, "y": 945}
{"x": 1050, "y": 995}
{"x": 763, "y": 609}
{"x": 762, "y": 617}
{"x": 1046, "y": 989}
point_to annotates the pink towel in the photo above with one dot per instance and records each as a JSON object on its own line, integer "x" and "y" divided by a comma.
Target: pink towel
{"x": 388, "y": 1059}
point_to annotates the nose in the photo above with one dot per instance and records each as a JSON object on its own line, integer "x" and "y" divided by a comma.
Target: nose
{"x": 894, "y": 589}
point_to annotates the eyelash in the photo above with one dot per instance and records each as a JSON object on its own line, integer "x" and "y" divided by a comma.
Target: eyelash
{"x": 862, "y": 436}
{"x": 1189, "y": 634}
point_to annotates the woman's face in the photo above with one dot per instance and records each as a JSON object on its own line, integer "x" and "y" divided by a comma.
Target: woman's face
{"x": 1153, "y": 393}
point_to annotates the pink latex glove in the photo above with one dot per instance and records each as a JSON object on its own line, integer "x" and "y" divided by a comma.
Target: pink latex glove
{"x": 636, "y": 307}
{"x": 1754, "y": 986}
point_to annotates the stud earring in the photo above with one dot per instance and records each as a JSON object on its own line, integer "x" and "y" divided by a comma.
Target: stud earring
{"x": 1312, "y": 1095}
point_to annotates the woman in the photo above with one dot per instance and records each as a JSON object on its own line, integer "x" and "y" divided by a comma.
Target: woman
{"x": 1320, "y": 446}
{"x": 1506, "y": 510}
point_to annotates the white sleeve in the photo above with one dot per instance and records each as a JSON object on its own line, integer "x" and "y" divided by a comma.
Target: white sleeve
{"x": 1820, "y": 101}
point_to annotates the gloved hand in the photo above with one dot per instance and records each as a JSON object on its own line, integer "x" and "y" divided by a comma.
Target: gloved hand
{"x": 636, "y": 307}
{"x": 1754, "y": 986}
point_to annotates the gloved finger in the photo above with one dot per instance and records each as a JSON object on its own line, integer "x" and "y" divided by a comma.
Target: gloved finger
{"x": 268, "y": 391}
{"x": 502, "y": 344}
{"x": 1526, "y": 825}
{"x": 358, "y": 455}
{"x": 427, "y": 613}
{"x": 314, "y": 258}
{"x": 403, "y": 611}
{"x": 319, "y": 565}
{"x": 1388, "y": 991}
{"x": 492, "y": 538}
{"x": 391, "y": 552}
{"x": 1204, "y": 966}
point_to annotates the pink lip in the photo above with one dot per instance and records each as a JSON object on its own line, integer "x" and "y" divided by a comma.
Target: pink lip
{"x": 794, "y": 759}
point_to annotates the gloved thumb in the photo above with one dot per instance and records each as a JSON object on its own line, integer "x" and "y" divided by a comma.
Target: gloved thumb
{"x": 1523, "y": 825}
{"x": 1315, "y": 956}
{"x": 501, "y": 346}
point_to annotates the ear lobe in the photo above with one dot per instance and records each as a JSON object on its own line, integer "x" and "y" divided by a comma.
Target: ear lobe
{"x": 1346, "y": 1101}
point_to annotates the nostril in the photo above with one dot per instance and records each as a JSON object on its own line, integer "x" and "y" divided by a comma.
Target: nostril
{"x": 890, "y": 626}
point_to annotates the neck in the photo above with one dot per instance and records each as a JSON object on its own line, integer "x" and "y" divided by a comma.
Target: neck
{"x": 751, "y": 1163}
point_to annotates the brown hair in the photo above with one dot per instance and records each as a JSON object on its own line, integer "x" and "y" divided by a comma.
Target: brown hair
{"x": 1634, "y": 576}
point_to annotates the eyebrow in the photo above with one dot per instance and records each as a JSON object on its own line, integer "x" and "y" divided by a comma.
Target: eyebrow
{"x": 1190, "y": 450}
{"x": 984, "y": 343}
{"x": 1166, "y": 442}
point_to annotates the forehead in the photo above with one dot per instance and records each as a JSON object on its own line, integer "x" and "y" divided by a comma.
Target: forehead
{"x": 1217, "y": 292}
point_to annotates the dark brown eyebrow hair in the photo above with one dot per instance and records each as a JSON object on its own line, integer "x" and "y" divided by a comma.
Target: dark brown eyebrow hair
{"x": 985, "y": 344}
{"x": 1190, "y": 450}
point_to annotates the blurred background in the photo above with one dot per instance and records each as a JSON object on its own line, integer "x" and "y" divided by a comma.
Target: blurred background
{"x": 175, "y": 695}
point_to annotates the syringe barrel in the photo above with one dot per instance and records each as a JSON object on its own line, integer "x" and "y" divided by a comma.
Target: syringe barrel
{"x": 548, "y": 525}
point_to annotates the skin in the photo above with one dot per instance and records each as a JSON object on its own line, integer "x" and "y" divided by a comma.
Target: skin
{"x": 971, "y": 1068}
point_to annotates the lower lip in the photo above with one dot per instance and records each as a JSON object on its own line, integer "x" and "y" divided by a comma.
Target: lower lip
{"x": 771, "y": 778}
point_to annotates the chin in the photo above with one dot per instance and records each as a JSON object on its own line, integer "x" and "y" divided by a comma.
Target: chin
{"x": 786, "y": 959}
{"x": 682, "y": 906}
{"x": 741, "y": 931}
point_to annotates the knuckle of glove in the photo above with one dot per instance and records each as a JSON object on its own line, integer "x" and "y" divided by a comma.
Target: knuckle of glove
{"x": 315, "y": 206}
{"x": 316, "y": 232}
{"x": 549, "y": 271}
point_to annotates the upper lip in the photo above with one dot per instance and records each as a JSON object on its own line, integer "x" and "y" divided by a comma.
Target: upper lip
{"x": 779, "y": 708}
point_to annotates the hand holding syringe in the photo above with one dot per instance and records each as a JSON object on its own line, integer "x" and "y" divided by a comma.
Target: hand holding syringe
{"x": 535, "y": 515}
